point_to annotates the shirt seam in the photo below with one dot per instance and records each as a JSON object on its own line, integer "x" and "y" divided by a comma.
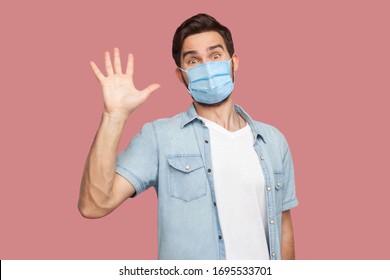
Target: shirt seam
{"x": 157, "y": 150}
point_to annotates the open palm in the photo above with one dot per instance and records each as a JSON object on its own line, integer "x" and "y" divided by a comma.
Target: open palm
{"x": 119, "y": 93}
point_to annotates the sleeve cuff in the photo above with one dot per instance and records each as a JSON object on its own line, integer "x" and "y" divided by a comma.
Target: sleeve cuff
{"x": 133, "y": 179}
{"x": 290, "y": 204}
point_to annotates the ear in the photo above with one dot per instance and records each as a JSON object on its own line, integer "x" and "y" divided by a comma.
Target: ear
{"x": 179, "y": 75}
{"x": 236, "y": 61}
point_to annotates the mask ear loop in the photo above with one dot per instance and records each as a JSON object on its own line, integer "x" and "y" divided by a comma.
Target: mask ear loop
{"x": 232, "y": 69}
{"x": 184, "y": 81}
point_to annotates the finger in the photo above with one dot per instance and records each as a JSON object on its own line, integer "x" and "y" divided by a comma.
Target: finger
{"x": 130, "y": 65}
{"x": 99, "y": 75}
{"x": 150, "y": 89}
{"x": 117, "y": 62}
{"x": 108, "y": 64}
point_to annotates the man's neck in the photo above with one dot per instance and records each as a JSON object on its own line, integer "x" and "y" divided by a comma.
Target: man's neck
{"x": 223, "y": 114}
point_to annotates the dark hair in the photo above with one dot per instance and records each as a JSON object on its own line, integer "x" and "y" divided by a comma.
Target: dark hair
{"x": 198, "y": 24}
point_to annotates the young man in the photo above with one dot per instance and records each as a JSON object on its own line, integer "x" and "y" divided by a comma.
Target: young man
{"x": 225, "y": 182}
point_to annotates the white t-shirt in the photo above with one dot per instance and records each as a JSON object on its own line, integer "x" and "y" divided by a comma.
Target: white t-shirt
{"x": 240, "y": 196}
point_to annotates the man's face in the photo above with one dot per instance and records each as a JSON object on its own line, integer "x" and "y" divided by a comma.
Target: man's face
{"x": 200, "y": 48}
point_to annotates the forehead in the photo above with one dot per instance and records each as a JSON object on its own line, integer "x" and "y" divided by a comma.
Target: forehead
{"x": 202, "y": 41}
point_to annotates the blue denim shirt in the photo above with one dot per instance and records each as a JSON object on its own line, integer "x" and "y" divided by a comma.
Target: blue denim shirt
{"x": 173, "y": 156}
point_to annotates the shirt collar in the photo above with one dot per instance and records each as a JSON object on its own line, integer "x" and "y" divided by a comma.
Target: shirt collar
{"x": 255, "y": 129}
{"x": 189, "y": 116}
{"x": 192, "y": 115}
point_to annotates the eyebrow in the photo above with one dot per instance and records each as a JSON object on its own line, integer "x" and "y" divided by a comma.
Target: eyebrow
{"x": 211, "y": 48}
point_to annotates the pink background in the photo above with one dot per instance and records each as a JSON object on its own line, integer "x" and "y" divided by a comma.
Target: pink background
{"x": 317, "y": 70}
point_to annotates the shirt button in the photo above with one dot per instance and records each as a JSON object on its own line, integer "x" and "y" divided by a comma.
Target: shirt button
{"x": 209, "y": 170}
{"x": 220, "y": 237}
{"x": 268, "y": 189}
{"x": 261, "y": 157}
{"x": 272, "y": 221}
{"x": 278, "y": 184}
{"x": 273, "y": 254}
{"x": 206, "y": 141}
{"x": 187, "y": 167}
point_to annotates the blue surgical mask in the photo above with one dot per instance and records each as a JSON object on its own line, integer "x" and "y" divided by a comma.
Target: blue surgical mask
{"x": 210, "y": 82}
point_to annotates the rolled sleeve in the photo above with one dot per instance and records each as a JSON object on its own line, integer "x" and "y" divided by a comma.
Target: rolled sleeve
{"x": 138, "y": 163}
{"x": 289, "y": 196}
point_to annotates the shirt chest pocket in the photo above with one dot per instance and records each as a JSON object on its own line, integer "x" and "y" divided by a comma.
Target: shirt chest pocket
{"x": 279, "y": 191}
{"x": 187, "y": 177}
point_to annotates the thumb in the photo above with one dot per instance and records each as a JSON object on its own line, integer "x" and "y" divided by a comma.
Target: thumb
{"x": 150, "y": 89}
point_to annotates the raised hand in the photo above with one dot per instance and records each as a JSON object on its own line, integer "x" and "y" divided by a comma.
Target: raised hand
{"x": 119, "y": 93}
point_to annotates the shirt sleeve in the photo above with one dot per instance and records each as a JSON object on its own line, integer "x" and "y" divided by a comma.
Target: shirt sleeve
{"x": 138, "y": 163}
{"x": 289, "y": 195}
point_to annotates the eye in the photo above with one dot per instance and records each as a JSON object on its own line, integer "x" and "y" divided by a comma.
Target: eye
{"x": 192, "y": 61}
{"x": 215, "y": 56}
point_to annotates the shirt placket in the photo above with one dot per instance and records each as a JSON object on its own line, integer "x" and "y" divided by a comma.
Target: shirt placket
{"x": 203, "y": 139}
{"x": 271, "y": 213}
